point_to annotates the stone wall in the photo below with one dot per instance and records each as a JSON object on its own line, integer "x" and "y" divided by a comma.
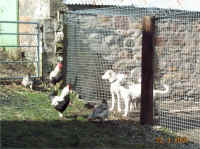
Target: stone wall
{"x": 44, "y": 12}
{"x": 32, "y": 11}
{"x": 177, "y": 58}
{"x": 97, "y": 43}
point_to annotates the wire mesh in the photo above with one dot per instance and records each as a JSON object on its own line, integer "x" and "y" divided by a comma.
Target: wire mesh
{"x": 176, "y": 64}
{"x": 98, "y": 43}
{"x": 110, "y": 38}
{"x": 19, "y": 49}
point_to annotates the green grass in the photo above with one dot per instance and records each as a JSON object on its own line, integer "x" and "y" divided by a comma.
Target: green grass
{"x": 29, "y": 121}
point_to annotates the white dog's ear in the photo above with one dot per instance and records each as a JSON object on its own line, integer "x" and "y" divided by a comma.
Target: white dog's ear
{"x": 106, "y": 74}
{"x": 110, "y": 74}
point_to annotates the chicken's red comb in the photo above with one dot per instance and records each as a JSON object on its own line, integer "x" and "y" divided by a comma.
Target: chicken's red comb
{"x": 69, "y": 86}
{"x": 60, "y": 65}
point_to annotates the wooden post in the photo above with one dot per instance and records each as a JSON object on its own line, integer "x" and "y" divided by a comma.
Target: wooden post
{"x": 65, "y": 41}
{"x": 146, "y": 114}
{"x": 42, "y": 55}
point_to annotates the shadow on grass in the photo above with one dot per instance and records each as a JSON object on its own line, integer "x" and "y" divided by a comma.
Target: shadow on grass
{"x": 77, "y": 134}
{"x": 63, "y": 134}
{"x": 74, "y": 117}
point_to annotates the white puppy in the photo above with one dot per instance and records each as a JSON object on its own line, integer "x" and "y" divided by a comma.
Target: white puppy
{"x": 133, "y": 93}
{"x": 114, "y": 80}
{"x": 130, "y": 95}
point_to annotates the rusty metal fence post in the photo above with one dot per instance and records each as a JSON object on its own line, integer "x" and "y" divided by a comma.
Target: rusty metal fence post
{"x": 146, "y": 116}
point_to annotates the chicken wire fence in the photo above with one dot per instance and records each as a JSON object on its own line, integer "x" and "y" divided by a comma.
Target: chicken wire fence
{"x": 19, "y": 49}
{"x": 177, "y": 64}
{"x": 111, "y": 38}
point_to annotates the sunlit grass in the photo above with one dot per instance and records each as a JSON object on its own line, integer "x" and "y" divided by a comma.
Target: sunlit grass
{"x": 29, "y": 121}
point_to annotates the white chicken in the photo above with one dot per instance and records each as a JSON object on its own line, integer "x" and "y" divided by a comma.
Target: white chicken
{"x": 56, "y": 75}
{"x": 100, "y": 112}
{"x": 61, "y": 102}
{"x": 27, "y": 81}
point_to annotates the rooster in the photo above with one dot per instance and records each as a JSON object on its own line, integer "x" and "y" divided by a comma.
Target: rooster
{"x": 56, "y": 75}
{"x": 27, "y": 81}
{"x": 61, "y": 102}
{"x": 100, "y": 112}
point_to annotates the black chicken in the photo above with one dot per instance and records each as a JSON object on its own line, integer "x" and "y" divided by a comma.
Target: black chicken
{"x": 61, "y": 102}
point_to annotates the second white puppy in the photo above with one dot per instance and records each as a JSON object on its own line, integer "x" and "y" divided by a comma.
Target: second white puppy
{"x": 130, "y": 94}
{"x": 133, "y": 93}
